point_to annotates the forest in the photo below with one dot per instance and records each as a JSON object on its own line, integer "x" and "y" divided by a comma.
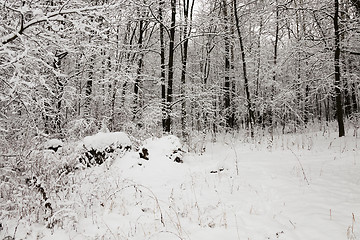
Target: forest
{"x": 69, "y": 67}
{"x": 256, "y": 102}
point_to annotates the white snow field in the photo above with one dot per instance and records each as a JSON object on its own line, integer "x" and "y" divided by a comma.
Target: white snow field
{"x": 301, "y": 187}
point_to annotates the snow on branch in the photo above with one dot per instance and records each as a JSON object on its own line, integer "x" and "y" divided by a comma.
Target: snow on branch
{"x": 53, "y": 16}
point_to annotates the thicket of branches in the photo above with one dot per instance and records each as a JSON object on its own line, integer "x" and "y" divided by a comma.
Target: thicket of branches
{"x": 176, "y": 66}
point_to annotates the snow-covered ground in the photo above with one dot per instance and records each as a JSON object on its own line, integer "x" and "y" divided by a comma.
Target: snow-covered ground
{"x": 299, "y": 187}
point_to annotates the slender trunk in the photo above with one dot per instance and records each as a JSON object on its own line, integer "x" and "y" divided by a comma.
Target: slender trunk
{"x": 169, "y": 96}
{"x": 186, "y": 34}
{"x": 205, "y": 69}
{"x": 258, "y": 60}
{"x": 129, "y": 60}
{"x": 246, "y": 82}
{"x": 271, "y": 112}
{"x": 139, "y": 69}
{"x": 80, "y": 85}
{"x": 88, "y": 88}
{"x": 227, "y": 66}
{"x": 232, "y": 115}
{"x": 306, "y": 105}
{"x": 113, "y": 86}
{"x": 347, "y": 91}
{"x": 353, "y": 98}
{"x": 207, "y": 64}
{"x": 60, "y": 84}
{"x": 339, "y": 109}
{"x": 299, "y": 97}
{"x": 162, "y": 65}
{"x": 257, "y": 90}
{"x": 327, "y": 109}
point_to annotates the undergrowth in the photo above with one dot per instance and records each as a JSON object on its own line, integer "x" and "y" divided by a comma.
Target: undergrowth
{"x": 42, "y": 186}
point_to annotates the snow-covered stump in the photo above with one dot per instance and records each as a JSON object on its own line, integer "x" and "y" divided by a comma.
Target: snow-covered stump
{"x": 96, "y": 149}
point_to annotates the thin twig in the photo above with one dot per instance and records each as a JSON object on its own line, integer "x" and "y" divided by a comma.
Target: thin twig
{"x": 138, "y": 186}
{"x": 236, "y": 159}
{"x": 303, "y": 171}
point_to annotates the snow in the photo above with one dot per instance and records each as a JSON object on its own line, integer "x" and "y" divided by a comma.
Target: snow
{"x": 53, "y": 143}
{"x": 38, "y": 12}
{"x": 165, "y": 145}
{"x": 102, "y": 140}
{"x": 260, "y": 193}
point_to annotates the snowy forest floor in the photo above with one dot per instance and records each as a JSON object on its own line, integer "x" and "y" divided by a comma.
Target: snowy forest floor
{"x": 304, "y": 186}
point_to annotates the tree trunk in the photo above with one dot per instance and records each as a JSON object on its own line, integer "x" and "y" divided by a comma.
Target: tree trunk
{"x": 184, "y": 56}
{"x": 258, "y": 67}
{"x": 271, "y": 112}
{"x": 306, "y": 104}
{"x": 227, "y": 109}
{"x": 60, "y": 84}
{"x": 353, "y": 98}
{"x": 162, "y": 65}
{"x": 169, "y": 97}
{"x": 339, "y": 109}
{"x": 347, "y": 90}
{"x": 246, "y": 82}
{"x": 88, "y": 88}
{"x": 139, "y": 68}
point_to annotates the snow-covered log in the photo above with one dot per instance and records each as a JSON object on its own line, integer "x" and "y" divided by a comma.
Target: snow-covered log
{"x": 97, "y": 148}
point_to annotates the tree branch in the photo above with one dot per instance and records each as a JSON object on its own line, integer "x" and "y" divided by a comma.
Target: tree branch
{"x": 157, "y": 20}
{"x": 49, "y": 17}
{"x": 344, "y": 51}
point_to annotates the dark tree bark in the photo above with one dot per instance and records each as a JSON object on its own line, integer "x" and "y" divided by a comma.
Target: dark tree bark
{"x": 169, "y": 97}
{"x": 52, "y": 108}
{"x": 258, "y": 59}
{"x": 259, "y": 115}
{"x": 139, "y": 67}
{"x": 226, "y": 109}
{"x": 299, "y": 77}
{"x": 88, "y": 88}
{"x": 306, "y": 104}
{"x": 339, "y": 109}
{"x": 347, "y": 89}
{"x": 246, "y": 81}
{"x": 188, "y": 10}
{"x": 271, "y": 110}
{"x": 353, "y": 98}
{"x": 162, "y": 65}
{"x": 60, "y": 84}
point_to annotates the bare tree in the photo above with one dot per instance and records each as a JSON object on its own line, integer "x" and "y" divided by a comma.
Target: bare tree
{"x": 246, "y": 82}
{"x": 338, "y": 97}
{"x": 226, "y": 109}
{"x": 187, "y": 11}
{"x": 169, "y": 97}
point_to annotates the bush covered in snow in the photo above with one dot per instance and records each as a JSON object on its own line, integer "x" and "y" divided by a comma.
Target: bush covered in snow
{"x": 34, "y": 185}
{"x": 30, "y": 187}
